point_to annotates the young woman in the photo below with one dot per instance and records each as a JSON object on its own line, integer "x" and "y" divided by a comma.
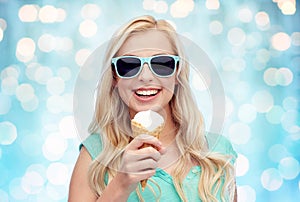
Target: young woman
{"x": 145, "y": 69}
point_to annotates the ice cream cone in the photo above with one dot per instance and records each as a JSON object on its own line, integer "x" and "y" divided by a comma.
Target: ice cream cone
{"x": 138, "y": 128}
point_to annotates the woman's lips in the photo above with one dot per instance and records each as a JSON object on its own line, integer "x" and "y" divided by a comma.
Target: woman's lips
{"x": 145, "y": 95}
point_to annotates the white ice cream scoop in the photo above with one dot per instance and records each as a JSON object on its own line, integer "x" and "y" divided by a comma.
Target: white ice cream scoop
{"x": 149, "y": 119}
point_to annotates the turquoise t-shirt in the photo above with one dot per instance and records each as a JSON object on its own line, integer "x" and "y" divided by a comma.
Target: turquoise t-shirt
{"x": 217, "y": 143}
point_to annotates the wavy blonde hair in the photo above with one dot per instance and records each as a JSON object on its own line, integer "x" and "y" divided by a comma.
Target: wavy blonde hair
{"x": 112, "y": 121}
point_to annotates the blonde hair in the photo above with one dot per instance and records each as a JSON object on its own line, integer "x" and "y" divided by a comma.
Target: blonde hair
{"x": 112, "y": 121}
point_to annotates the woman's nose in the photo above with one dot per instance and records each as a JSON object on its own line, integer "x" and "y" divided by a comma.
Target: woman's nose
{"x": 146, "y": 74}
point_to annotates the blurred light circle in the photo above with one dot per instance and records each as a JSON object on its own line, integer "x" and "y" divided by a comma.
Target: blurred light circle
{"x": 275, "y": 114}
{"x": 290, "y": 103}
{"x": 254, "y": 40}
{"x": 242, "y": 165}
{"x": 230, "y": 64}
{"x": 28, "y": 13}
{"x": 181, "y": 9}
{"x": 39, "y": 168}
{"x": 90, "y": 11}
{"x": 258, "y": 65}
{"x": 245, "y": 15}
{"x": 215, "y": 27}
{"x": 289, "y": 168}
{"x": 239, "y": 65}
{"x": 5, "y": 104}
{"x": 295, "y": 136}
{"x": 46, "y": 43}
{"x": 9, "y": 85}
{"x": 281, "y": 41}
{"x": 64, "y": 73}
{"x": 32, "y": 182}
{"x": 10, "y": 71}
{"x": 161, "y": 7}
{"x": 43, "y": 196}
{"x": 262, "y": 19}
{"x": 67, "y": 127}
{"x": 10, "y": 131}
{"x": 24, "y": 92}
{"x": 263, "y": 55}
{"x": 284, "y": 76}
{"x": 16, "y": 191}
{"x": 239, "y": 133}
{"x": 3, "y": 195}
{"x": 54, "y": 147}
{"x": 236, "y": 36}
{"x": 263, "y": 101}
{"x": 48, "y": 14}
{"x": 295, "y": 37}
{"x": 67, "y": 102}
{"x": 149, "y": 4}
{"x": 55, "y": 104}
{"x": 1, "y": 34}
{"x": 3, "y": 24}
{"x": 56, "y": 192}
{"x": 212, "y": 4}
{"x": 289, "y": 121}
{"x": 30, "y": 105}
{"x": 57, "y": 173}
{"x": 88, "y": 28}
{"x": 247, "y": 113}
{"x": 246, "y": 194}
{"x": 55, "y": 85}
{"x": 31, "y": 69}
{"x": 241, "y": 91}
{"x": 26, "y": 47}
{"x": 288, "y": 7}
{"x": 277, "y": 152}
{"x": 61, "y": 15}
{"x": 43, "y": 74}
{"x": 271, "y": 179}
{"x": 239, "y": 51}
{"x": 227, "y": 64}
{"x": 24, "y": 58}
{"x": 269, "y": 76}
{"x": 81, "y": 56}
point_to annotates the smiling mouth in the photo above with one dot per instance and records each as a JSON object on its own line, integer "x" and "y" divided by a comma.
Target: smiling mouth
{"x": 146, "y": 93}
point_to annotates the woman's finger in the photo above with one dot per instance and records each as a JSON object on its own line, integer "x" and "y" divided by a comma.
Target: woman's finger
{"x": 142, "y": 139}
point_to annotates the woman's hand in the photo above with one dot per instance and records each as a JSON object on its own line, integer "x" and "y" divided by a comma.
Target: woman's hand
{"x": 139, "y": 163}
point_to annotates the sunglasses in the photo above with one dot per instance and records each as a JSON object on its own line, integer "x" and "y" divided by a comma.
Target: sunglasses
{"x": 131, "y": 66}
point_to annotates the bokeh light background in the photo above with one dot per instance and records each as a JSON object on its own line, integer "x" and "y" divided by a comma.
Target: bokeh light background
{"x": 254, "y": 44}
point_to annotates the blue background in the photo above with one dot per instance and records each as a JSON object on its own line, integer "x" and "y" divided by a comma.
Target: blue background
{"x": 256, "y": 49}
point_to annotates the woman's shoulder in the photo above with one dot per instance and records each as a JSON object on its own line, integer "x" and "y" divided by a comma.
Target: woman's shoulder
{"x": 220, "y": 144}
{"x": 92, "y": 144}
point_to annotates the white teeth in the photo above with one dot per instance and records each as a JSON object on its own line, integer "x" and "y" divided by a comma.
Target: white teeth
{"x": 146, "y": 92}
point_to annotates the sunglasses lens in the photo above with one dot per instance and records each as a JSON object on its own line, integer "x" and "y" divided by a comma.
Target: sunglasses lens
{"x": 163, "y": 65}
{"x": 128, "y": 67}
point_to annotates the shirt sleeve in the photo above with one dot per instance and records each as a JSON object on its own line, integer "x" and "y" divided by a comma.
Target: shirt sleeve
{"x": 93, "y": 145}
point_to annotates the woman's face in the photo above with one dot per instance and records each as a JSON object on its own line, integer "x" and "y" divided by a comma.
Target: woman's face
{"x": 146, "y": 90}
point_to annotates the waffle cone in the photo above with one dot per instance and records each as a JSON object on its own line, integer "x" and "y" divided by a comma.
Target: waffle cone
{"x": 138, "y": 129}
